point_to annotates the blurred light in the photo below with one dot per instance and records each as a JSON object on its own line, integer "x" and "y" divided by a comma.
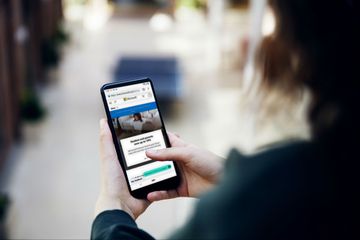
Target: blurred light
{"x": 268, "y": 23}
{"x": 160, "y": 22}
{"x": 74, "y": 12}
{"x": 93, "y": 22}
{"x": 96, "y": 15}
{"x": 21, "y": 34}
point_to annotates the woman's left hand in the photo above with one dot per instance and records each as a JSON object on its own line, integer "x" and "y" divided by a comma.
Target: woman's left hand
{"x": 114, "y": 192}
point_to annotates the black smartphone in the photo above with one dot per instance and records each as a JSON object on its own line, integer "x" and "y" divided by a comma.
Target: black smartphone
{"x": 137, "y": 126}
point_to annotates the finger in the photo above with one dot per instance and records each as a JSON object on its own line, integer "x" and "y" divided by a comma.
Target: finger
{"x": 107, "y": 149}
{"x": 175, "y": 140}
{"x": 180, "y": 154}
{"x": 157, "y": 196}
{"x": 161, "y": 195}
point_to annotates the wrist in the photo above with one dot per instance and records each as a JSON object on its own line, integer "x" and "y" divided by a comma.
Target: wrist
{"x": 108, "y": 203}
{"x": 126, "y": 209}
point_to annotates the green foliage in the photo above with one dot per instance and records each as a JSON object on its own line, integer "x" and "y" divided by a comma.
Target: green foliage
{"x": 4, "y": 203}
{"x": 190, "y": 3}
{"x": 61, "y": 37}
{"x": 51, "y": 47}
{"x": 50, "y": 53}
{"x": 30, "y": 107}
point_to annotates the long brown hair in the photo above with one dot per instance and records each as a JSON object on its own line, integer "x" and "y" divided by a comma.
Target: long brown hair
{"x": 316, "y": 44}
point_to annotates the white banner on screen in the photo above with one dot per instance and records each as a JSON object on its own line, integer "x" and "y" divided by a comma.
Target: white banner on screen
{"x": 134, "y": 147}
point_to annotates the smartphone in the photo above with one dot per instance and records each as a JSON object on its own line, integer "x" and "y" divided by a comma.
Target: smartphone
{"x": 137, "y": 126}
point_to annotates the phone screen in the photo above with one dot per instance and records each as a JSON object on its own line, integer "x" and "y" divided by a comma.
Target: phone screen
{"x": 138, "y": 128}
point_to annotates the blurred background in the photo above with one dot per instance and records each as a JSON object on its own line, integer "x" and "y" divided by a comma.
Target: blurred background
{"x": 55, "y": 55}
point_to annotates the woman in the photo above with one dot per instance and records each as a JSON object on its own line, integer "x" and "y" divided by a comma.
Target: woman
{"x": 137, "y": 117}
{"x": 302, "y": 190}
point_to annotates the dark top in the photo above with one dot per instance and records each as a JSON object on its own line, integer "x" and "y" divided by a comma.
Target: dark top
{"x": 291, "y": 192}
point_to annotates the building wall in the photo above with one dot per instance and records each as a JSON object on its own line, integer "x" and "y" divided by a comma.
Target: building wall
{"x": 24, "y": 27}
{"x": 5, "y": 97}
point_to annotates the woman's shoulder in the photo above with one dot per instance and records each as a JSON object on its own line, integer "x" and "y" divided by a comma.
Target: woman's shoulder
{"x": 271, "y": 159}
{"x": 257, "y": 189}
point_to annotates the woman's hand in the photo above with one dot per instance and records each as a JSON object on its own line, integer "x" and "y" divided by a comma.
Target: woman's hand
{"x": 114, "y": 192}
{"x": 200, "y": 169}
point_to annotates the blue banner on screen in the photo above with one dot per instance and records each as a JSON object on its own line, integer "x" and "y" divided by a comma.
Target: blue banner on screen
{"x": 133, "y": 110}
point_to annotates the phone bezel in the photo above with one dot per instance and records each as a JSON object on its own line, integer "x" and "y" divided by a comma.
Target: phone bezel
{"x": 167, "y": 184}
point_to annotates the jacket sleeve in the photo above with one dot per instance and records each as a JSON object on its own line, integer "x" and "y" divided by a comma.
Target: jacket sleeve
{"x": 116, "y": 224}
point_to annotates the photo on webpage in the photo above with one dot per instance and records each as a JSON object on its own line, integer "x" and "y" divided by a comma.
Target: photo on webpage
{"x": 137, "y": 123}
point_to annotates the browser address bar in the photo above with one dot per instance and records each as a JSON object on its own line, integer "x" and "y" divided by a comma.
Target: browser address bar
{"x": 133, "y": 96}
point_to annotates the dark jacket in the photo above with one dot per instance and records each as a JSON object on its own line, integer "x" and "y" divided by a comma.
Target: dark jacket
{"x": 290, "y": 192}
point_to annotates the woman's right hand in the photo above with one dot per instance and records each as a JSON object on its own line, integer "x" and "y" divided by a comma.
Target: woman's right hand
{"x": 200, "y": 169}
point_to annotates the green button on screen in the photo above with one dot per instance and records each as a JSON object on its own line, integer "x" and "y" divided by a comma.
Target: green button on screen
{"x": 156, "y": 170}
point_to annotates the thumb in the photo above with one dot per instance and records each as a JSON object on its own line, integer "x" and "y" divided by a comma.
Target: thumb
{"x": 180, "y": 154}
{"x": 162, "y": 195}
{"x": 107, "y": 149}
